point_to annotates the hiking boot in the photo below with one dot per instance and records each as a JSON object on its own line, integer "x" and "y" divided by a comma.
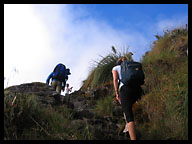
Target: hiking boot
{"x": 126, "y": 129}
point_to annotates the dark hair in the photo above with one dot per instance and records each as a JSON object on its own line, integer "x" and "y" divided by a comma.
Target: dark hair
{"x": 119, "y": 62}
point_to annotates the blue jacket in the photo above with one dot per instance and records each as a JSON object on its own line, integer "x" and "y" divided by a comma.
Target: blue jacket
{"x": 53, "y": 79}
{"x": 49, "y": 77}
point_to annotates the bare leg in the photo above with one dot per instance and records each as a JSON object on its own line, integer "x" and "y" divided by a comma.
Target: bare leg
{"x": 131, "y": 128}
{"x": 126, "y": 124}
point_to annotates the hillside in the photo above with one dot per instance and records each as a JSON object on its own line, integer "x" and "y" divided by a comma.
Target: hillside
{"x": 166, "y": 86}
{"x": 35, "y": 111}
{"x": 163, "y": 112}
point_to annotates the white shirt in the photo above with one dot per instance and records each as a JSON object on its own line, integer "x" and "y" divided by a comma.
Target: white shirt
{"x": 67, "y": 90}
{"x": 118, "y": 69}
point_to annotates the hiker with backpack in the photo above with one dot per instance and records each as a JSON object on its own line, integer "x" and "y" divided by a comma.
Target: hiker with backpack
{"x": 59, "y": 77}
{"x": 128, "y": 77}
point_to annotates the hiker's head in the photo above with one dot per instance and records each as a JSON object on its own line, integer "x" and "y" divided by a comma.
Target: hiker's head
{"x": 123, "y": 59}
{"x": 67, "y": 85}
{"x": 120, "y": 60}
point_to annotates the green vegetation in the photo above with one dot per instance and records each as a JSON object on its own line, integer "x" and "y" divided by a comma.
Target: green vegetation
{"x": 166, "y": 87}
{"x": 104, "y": 107}
{"x": 161, "y": 114}
{"x": 26, "y": 119}
{"x": 101, "y": 73}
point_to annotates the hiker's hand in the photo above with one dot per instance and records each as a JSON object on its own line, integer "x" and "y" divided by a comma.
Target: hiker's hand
{"x": 119, "y": 100}
{"x": 117, "y": 97}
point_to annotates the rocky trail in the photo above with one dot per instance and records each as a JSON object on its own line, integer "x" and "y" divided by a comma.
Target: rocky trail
{"x": 82, "y": 105}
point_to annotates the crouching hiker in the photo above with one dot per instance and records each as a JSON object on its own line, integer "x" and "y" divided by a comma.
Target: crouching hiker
{"x": 59, "y": 77}
{"x": 127, "y": 80}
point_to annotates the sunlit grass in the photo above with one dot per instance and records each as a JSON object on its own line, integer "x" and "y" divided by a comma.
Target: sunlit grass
{"x": 101, "y": 70}
{"x": 166, "y": 87}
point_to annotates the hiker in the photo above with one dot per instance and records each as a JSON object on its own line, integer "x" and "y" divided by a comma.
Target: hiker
{"x": 126, "y": 95}
{"x": 67, "y": 93}
{"x": 59, "y": 77}
{"x": 68, "y": 90}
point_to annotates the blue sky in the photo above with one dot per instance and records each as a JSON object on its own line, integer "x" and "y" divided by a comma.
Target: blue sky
{"x": 120, "y": 15}
{"x": 37, "y": 37}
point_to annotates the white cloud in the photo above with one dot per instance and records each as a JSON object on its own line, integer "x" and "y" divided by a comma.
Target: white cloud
{"x": 171, "y": 23}
{"x": 77, "y": 42}
{"x": 44, "y": 35}
{"x": 26, "y": 44}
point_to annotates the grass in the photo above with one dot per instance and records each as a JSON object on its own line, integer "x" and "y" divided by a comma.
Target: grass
{"x": 27, "y": 119}
{"x": 163, "y": 110}
{"x": 171, "y": 45}
{"x": 104, "y": 107}
{"x": 166, "y": 87}
{"x": 166, "y": 101}
{"x": 101, "y": 71}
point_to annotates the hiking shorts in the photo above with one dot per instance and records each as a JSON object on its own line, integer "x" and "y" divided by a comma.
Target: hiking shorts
{"x": 129, "y": 95}
{"x": 57, "y": 85}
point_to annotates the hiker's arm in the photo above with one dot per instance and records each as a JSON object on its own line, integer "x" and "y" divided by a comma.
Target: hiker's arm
{"x": 115, "y": 83}
{"x": 48, "y": 78}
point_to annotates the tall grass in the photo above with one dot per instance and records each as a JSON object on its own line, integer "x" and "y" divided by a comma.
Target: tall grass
{"x": 26, "y": 118}
{"x": 171, "y": 45}
{"x": 166, "y": 87}
{"x": 101, "y": 70}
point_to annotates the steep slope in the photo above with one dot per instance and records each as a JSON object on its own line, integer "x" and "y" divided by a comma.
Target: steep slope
{"x": 166, "y": 86}
{"x": 163, "y": 112}
{"x": 35, "y": 111}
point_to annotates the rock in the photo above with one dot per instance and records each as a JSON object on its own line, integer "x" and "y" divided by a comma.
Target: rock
{"x": 83, "y": 114}
{"x": 80, "y": 105}
{"x": 117, "y": 111}
{"x": 44, "y": 93}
